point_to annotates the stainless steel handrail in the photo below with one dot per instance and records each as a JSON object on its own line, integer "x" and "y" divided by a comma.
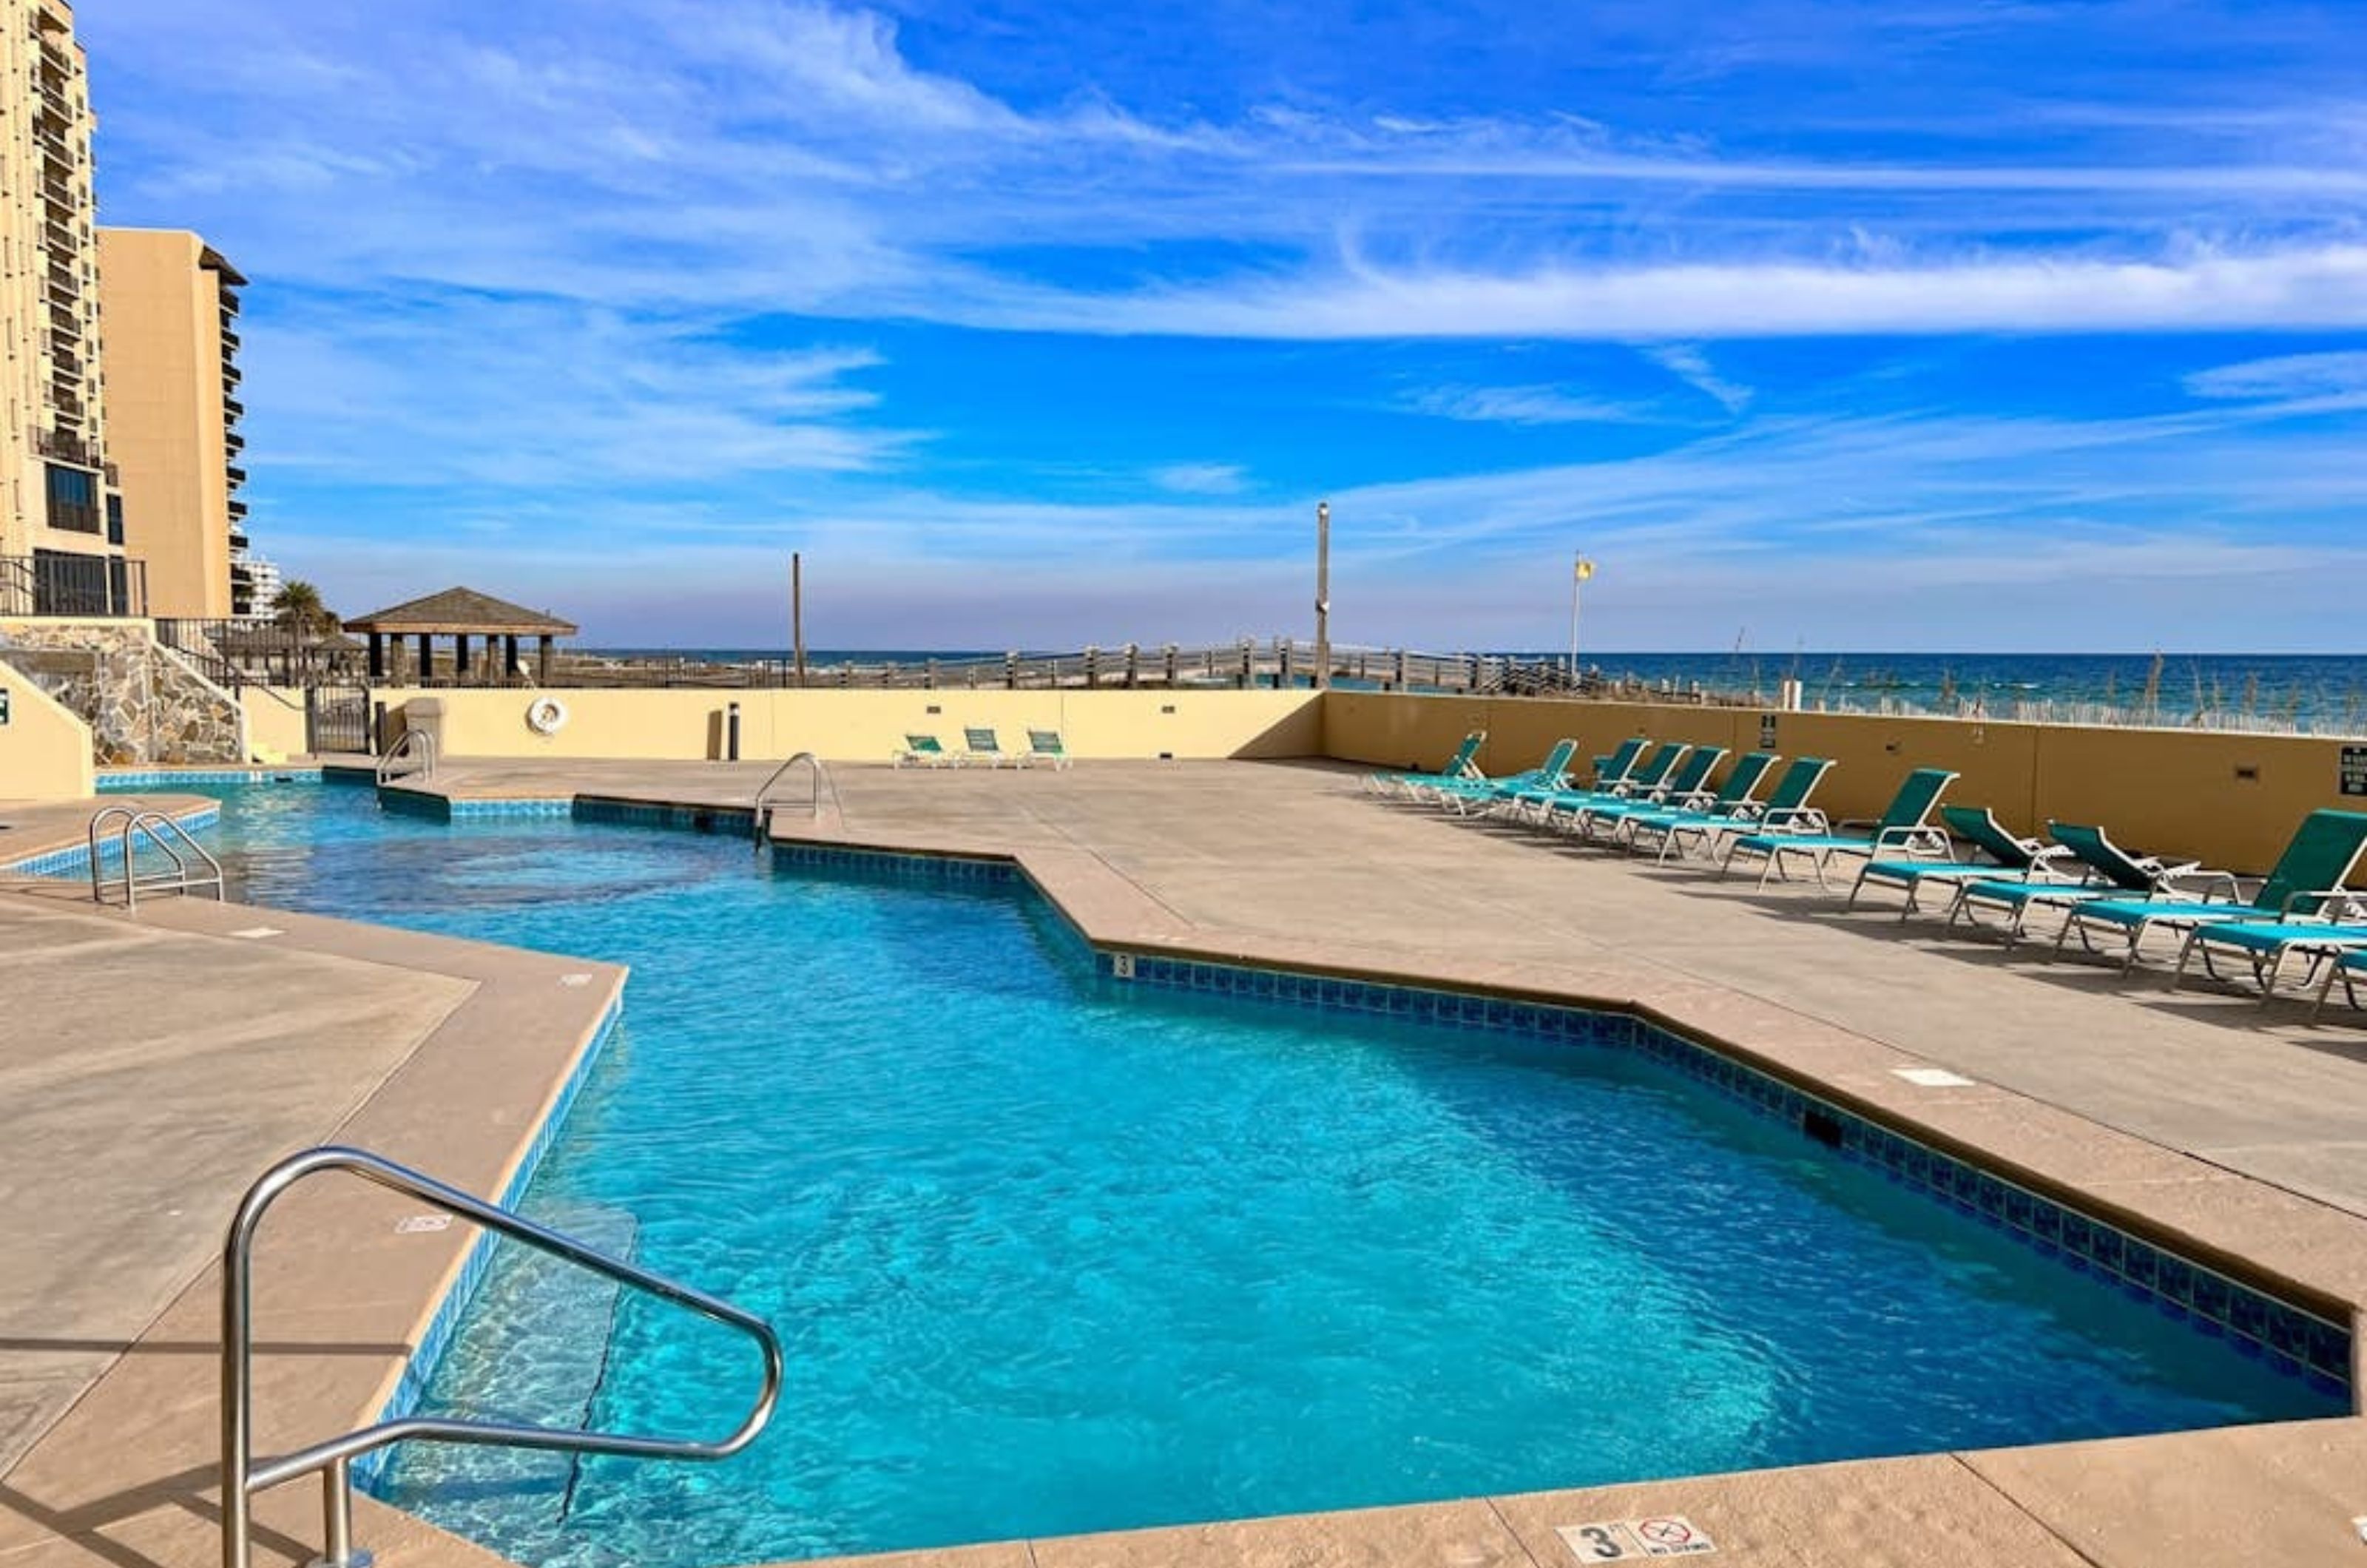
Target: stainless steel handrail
{"x": 161, "y": 829}
{"x": 417, "y": 743}
{"x": 241, "y": 1477}
{"x": 821, "y": 781}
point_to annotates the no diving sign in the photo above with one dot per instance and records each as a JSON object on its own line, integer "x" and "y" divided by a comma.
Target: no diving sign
{"x": 1630, "y": 1541}
{"x": 2353, "y": 770}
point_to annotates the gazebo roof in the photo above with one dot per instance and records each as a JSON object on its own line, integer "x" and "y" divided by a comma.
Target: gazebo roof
{"x": 459, "y": 611}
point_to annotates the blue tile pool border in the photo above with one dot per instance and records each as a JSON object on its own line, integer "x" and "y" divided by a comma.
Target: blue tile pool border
{"x": 2293, "y": 1340}
{"x": 77, "y": 859}
{"x": 445, "y": 808}
{"x": 737, "y": 821}
{"x": 165, "y": 778}
{"x": 420, "y": 1369}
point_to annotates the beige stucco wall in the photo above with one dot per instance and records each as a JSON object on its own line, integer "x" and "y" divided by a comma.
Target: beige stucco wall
{"x": 2232, "y": 800}
{"x": 45, "y": 752}
{"x": 858, "y": 726}
{"x": 165, "y": 420}
{"x": 274, "y": 719}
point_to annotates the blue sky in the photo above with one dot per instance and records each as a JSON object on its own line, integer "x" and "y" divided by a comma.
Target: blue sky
{"x": 1912, "y": 325}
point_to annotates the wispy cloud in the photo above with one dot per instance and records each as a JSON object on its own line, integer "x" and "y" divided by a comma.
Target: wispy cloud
{"x": 1691, "y": 365}
{"x": 1526, "y": 405}
{"x": 1201, "y": 479}
{"x": 2335, "y": 374}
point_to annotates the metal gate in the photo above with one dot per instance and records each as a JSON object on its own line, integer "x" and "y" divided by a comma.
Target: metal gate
{"x": 337, "y": 718}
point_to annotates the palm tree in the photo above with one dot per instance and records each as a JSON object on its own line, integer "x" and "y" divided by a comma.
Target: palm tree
{"x": 299, "y": 610}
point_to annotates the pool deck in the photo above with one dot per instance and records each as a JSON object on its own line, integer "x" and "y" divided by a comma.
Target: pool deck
{"x": 2185, "y": 1115}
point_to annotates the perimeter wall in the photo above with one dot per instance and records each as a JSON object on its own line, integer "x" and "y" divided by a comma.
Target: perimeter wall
{"x": 45, "y": 749}
{"x": 2228, "y": 800}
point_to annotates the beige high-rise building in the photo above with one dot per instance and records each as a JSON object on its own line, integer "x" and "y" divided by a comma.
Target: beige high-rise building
{"x": 171, "y": 305}
{"x": 61, "y": 526}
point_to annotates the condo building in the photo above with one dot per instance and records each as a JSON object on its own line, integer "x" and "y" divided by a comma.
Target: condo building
{"x": 61, "y": 516}
{"x": 171, "y": 305}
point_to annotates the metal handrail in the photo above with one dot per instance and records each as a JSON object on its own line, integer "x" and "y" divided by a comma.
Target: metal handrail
{"x": 156, "y": 824}
{"x": 424, "y": 751}
{"x": 821, "y": 781}
{"x": 241, "y": 1477}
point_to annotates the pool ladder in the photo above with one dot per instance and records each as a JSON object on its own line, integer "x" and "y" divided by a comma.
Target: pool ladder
{"x": 242, "y": 1476}
{"x": 194, "y": 870}
{"x": 413, "y": 745}
{"x": 761, "y": 826}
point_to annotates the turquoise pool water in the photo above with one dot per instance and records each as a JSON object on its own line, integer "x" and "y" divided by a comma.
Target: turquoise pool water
{"x": 1053, "y": 1254}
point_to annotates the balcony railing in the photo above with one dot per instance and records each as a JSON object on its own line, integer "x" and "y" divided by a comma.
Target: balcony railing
{"x": 237, "y": 475}
{"x": 64, "y": 446}
{"x": 54, "y": 583}
{"x": 234, "y": 409}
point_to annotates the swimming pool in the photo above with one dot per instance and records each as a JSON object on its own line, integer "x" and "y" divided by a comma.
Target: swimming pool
{"x": 1054, "y": 1253}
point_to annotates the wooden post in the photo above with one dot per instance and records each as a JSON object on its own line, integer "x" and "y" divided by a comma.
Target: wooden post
{"x": 1093, "y": 668}
{"x": 377, "y": 656}
{"x": 542, "y": 660}
{"x": 1133, "y": 666}
{"x": 1011, "y": 671}
{"x": 1170, "y": 666}
{"x": 427, "y": 657}
{"x": 797, "y": 611}
{"x": 460, "y": 658}
{"x": 509, "y": 658}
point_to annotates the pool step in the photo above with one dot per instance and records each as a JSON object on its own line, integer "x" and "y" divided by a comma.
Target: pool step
{"x": 541, "y": 1340}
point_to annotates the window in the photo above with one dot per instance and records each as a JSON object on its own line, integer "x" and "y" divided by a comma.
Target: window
{"x": 115, "y": 520}
{"x": 73, "y": 499}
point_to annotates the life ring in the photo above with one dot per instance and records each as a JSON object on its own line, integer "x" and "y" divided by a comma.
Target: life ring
{"x": 544, "y": 716}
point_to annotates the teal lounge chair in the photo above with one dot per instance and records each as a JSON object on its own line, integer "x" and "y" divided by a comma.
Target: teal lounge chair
{"x": 1046, "y": 746}
{"x": 1615, "y": 769}
{"x": 1685, "y": 784}
{"x": 982, "y": 746}
{"x": 2106, "y": 870}
{"x": 1706, "y": 829}
{"x": 2314, "y": 870}
{"x": 1558, "y": 809}
{"x": 1479, "y": 795}
{"x": 1463, "y": 764}
{"x": 1737, "y": 793}
{"x": 2350, "y": 969}
{"x": 2320, "y": 922}
{"x": 923, "y": 751}
{"x": 1906, "y": 826}
{"x": 1976, "y": 826}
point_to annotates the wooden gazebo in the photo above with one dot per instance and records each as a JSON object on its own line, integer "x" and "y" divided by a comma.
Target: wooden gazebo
{"x": 459, "y": 615}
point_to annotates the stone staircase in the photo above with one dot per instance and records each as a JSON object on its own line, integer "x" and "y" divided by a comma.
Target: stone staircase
{"x": 145, "y": 705}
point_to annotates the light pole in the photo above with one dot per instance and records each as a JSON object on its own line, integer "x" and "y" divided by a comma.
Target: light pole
{"x": 1580, "y": 570}
{"x": 1322, "y": 594}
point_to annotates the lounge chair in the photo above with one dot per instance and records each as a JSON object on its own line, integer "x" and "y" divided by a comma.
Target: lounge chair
{"x": 1463, "y": 764}
{"x": 1976, "y": 826}
{"x": 2106, "y": 870}
{"x": 1687, "y": 783}
{"x": 923, "y": 751}
{"x": 1905, "y": 827}
{"x": 980, "y": 746}
{"x": 2313, "y": 871}
{"x": 1556, "y": 807}
{"x": 1470, "y": 796}
{"x": 1046, "y": 746}
{"x": 1734, "y": 800}
{"x": 2317, "y": 916}
{"x": 1615, "y": 769}
{"x": 2349, "y": 968}
{"x": 1709, "y": 829}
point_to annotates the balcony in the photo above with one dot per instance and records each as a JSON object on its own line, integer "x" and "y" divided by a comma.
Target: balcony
{"x": 234, "y": 443}
{"x": 65, "y": 582}
{"x": 232, "y": 408}
{"x": 64, "y": 446}
{"x": 229, "y": 306}
{"x": 231, "y": 342}
{"x": 232, "y": 376}
{"x": 236, "y": 475}
{"x": 237, "y": 509}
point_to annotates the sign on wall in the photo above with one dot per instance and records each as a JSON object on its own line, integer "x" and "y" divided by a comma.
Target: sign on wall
{"x": 4, "y": 704}
{"x": 1767, "y": 732}
{"x": 2353, "y": 768}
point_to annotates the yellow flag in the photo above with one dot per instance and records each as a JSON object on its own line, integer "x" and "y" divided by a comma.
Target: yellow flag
{"x": 1585, "y": 569}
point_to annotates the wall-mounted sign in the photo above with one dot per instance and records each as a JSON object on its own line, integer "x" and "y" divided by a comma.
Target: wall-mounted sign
{"x": 1767, "y": 732}
{"x": 4, "y": 704}
{"x": 2353, "y": 766}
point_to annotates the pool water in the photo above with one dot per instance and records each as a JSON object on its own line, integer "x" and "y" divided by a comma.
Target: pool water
{"x": 1052, "y": 1254}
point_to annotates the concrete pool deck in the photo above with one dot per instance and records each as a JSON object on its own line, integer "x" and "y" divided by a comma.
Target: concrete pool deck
{"x": 2230, "y": 1134}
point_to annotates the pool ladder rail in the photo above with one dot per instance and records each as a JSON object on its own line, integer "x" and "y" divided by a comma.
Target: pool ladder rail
{"x": 415, "y": 746}
{"x": 194, "y": 869}
{"x": 242, "y": 1476}
{"x": 762, "y": 824}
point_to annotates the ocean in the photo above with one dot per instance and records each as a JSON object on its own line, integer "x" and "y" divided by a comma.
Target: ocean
{"x": 2319, "y": 694}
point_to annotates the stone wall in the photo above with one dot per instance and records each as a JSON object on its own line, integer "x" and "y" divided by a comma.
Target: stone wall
{"x": 145, "y": 705}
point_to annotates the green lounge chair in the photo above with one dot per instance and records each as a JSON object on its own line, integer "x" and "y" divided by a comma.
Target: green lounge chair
{"x": 2349, "y": 968}
{"x": 1474, "y": 796}
{"x": 1734, "y": 798}
{"x": 1463, "y": 764}
{"x": 1710, "y": 825}
{"x": 1685, "y": 784}
{"x": 982, "y": 746}
{"x": 1615, "y": 769}
{"x": 1976, "y": 826}
{"x": 1555, "y": 807}
{"x": 1905, "y": 827}
{"x": 1046, "y": 746}
{"x": 2107, "y": 870}
{"x": 2314, "y": 870}
{"x": 923, "y": 751}
{"x": 2321, "y": 922}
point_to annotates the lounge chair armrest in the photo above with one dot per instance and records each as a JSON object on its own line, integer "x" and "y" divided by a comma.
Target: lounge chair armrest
{"x": 1692, "y": 800}
{"x": 1860, "y": 823}
{"x": 1910, "y": 838}
{"x": 2190, "y": 874}
{"x": 2334, "y": 903}
{"x": 1796, "y": 819}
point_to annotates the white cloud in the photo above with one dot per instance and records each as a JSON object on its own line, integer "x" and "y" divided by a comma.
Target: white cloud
{"x": 1524, "y": 405}
{"x": 2335, "y": 374}
{"x": 1201, "y": 479}
{"x": 1691, "y": 365}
